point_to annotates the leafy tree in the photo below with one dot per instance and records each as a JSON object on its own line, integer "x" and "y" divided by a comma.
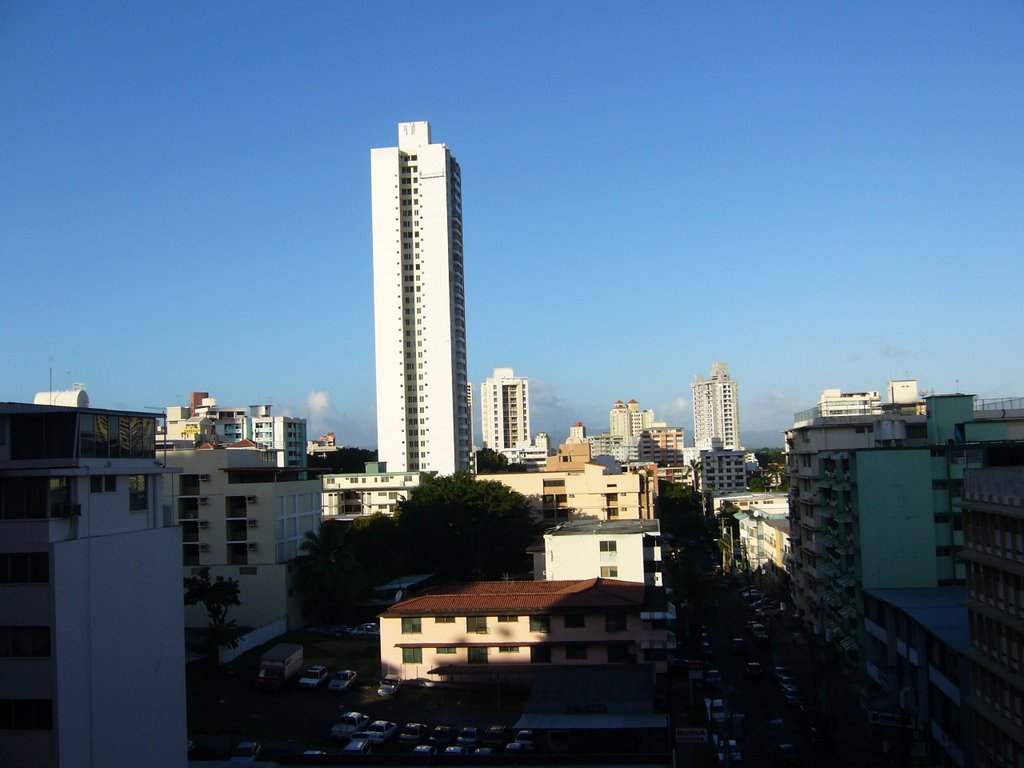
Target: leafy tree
{"x": 217, "y": 596}
{"x": 327, "y": 575}
{"x": 373, "y": 542}
{"x": 490, "y": 461}
{"x": 460, "y": 527}
{"x": 343, "y": 460}
{"x": 681, "y": 510}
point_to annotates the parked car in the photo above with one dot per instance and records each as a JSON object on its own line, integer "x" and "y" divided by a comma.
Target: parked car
{"x": 389, "y": 685}
{"x": 370, "y": 629}
{"x": 792, "y": 696}
{"x": 729, "y": 752}
{"x": 342, "y": 679}
{"x": 786, "y": 755}
{"x": 349, "y": 723}
{"x": 739, "y": 645}
{"x": 496, "y": 736}
{"x": 713, "y": 677}
{"x": 424, "y": 749}
{"x": 716, "y": 710}
{"x": 527, "y": 738}
{"x": 706, "y": 650}
{"x": 413, "y": 733}
{"x": 357, "y": 746}
{"x": 314, "y": 676}
{"x": 469, "y": 736}
{"x": 442, "y": 736}
{"x": 245, "y": 753}
{"x": 381, "y": 731}
{"x": 456, "y": 749}
{"x": 754, "y": 670}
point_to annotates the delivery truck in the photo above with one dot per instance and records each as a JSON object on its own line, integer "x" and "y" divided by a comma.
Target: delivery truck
{"x": 278, "y": 665}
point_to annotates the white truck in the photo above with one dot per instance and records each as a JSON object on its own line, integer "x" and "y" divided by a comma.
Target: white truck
{"x": 278, "y": 665}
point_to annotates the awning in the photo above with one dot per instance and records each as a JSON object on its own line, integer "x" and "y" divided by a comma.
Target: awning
{"x": 543, "y": 721}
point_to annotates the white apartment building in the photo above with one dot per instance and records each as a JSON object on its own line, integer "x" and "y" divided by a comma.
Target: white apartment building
{"x": 626, "y": 420}
{"x": 629, "y": 550}
{"x": 531, "y": 454}
{"x": 505, "y": 407}
{"x": 722, "y": 471}
{"x": 244, "y": 518}
{"x": 205, "y": 421}
{"x": 716, "y": 410}
{"x": 376, "y": 491}
{"x": 424, "y": 422}
{"x": 92, "y": 664}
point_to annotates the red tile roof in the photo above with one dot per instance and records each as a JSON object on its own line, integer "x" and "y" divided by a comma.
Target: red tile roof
{"x": 505, "y": 597}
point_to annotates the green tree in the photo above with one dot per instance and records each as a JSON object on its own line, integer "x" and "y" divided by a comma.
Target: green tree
{"x": 373, "y": 543}
{"x": 217, "y": 596}
{"x": 460, "y": 527}
{"x": 681, "y": 510}
{"x": 490, "y": 461}
{"x": 343, "y": 460}
{"x": 327, "y": 575}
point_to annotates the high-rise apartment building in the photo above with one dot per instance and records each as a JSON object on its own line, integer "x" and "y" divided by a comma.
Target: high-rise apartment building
{"x": 423, "y": 409}
{"x": 626, "y": 420}
{"x": 716, "y": 410}
{"x": 505, "y": 406}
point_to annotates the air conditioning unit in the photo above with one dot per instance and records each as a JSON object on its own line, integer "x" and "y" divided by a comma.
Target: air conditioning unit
{"x": 68, "y": 510}
{"x": 204, "y": 478}
{"x": 204, "y": 547}
{"x": 250, "y": 499}
{"x": 204, "y": 500}
{"x": 252, "y": 522}
{"x": 204, "y": 523}
{"x": 252, "y": 546}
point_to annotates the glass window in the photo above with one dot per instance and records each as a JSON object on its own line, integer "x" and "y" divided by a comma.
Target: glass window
{"x": 576, "y": 652}
{"x": 615, "y": 622}
{"x": 607, "y": 546}
{"x": 507, "y": 619}
{"x": 445, "y": 651}
{"x": 477, "y": 655}
{"x": 444, "y": 620}
{"x": 24, "y": 641}
{"x": 26, "y": 714}
{"x": 411, "y": 625}
{"x": 609, "y": 572}
{"x": 138, "y": 493}
{"x": 540, "y": 654}
{"x": 476, "y": 624}
{"x": 540, "y": 623}
{"x": 508, "y": 649}
{"x": 412, "y": 655}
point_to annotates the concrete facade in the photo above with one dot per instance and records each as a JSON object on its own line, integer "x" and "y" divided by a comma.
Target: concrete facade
{"x": 424, "y": 421}
{"x": 92, "y": 664}
{"x": 505, "y": 410}
{"x": 375, "y": 491}
{"x": 628, "y": 550}
{"x": 716, "y": 410}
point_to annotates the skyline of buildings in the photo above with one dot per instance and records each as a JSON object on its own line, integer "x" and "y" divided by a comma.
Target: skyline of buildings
{"x": 424, "y": 419}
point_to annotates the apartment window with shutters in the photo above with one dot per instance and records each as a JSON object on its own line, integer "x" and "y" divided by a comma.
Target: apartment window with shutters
{"x": 412, "y": 625}
{"x": 540, "y": 623}
{"x": 412, "y": 655}
{"x": 477, "y": 655}
{"x": 476, "y": 624}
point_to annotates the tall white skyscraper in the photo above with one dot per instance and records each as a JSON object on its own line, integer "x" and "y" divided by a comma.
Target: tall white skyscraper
{"x": 423, "y": 416}
{"x": 505, "y": 406}
{"x": 716, "y": 410}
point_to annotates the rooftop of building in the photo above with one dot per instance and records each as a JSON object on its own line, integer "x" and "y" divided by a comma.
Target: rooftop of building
{"x": 509, "y": 597}
{"x": 940, "y": 610}
{"x": 33, "y": 408}
{"x": 605, "y": 527}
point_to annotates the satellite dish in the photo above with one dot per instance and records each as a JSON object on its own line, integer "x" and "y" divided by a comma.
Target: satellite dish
{"x": 399, "y": 595}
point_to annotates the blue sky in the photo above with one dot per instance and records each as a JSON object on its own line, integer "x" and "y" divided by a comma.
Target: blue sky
{"x": 820, "y": 194}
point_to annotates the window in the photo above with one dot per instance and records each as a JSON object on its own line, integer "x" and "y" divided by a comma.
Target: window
{"x": 508, "y": 649}
{"x": 615, "y": 622}
{"x": 507, "y": 619}
{"x": 26, "y": 714}
{"x": 575, "y": 652}
{"x": 540, "y": 654}
{"x": 477, "y": 655}
{"x": 103, "y": 484}
{"x": 412, "y": 655}
{"x": 618, "y": 654}
{"x": 540, "y": 623}
{"x": 608, "y": 546}
{"x": 25, "y": 568}
{"x": 138, "y": 493}
{"x": 411, "y": 626}
{"x": 24, "y": 641}
{"x": 575, "y": 621}
{"x": 609, "y": 572}
{"x": 476, "y": 624}
{"x": 445, "y": 650}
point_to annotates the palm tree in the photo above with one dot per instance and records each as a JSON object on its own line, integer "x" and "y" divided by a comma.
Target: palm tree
{"x": 327, "y": 575}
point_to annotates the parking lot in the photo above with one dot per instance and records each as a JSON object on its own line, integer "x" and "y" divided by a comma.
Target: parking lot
{"x": 229, "y": 707}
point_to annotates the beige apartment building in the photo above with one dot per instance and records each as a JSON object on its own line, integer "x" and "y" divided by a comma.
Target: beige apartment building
{"x": 244, "y": 517}
{"x": 510, "y": 630}
{"x": 572, "y": 488}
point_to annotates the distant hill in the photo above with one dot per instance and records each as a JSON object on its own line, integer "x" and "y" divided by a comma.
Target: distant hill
{"x": 753, "y": 439}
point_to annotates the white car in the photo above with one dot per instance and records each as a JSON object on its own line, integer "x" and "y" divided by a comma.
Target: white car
{"x": 389, "y": 685}
{"x": 456, "y": 749}
{"x": 349, "y": 723}
{"x": 381, "y": 731}
{"x": 342, "y": 680}
{"x": 358, "y": 746}
{"x": 314, "y": 676}
{"x": 366, "y": 630}
{"x": 468, "y": 736}
{"x": 413, "y": 733}
{"x": 716, "y": 710}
